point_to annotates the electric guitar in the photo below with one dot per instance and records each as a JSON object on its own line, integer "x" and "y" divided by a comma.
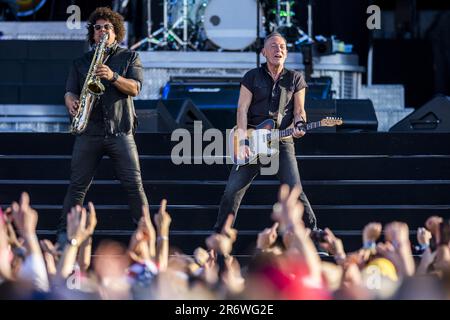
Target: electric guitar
{"x": 260, "y": 138}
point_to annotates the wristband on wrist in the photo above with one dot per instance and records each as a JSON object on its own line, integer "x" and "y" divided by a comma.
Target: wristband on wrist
{"x": 72, "y": 242}
{"x": 243, "y": 142}
{"x": 370, "y": 245}
{"x": 163, "y": 238}
{"x": 422, "y": 247}
{"x": 115, "y": 77}
{"x": 339, "y": 257}
{"x": 299, "y": 123}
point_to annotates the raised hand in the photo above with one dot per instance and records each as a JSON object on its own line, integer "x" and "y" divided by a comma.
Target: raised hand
{"x": 333, "y": 245}
{"x": 91, "y": 219}
{"x": 232, "y": 277}
{"x": 433, "y": 225}
{"x": 397, "y": 237}
{"x": 146, "y": 225}
{"x": 201, "y": 256}
{"x": 228, "y": 229}
{"x": 48, "y": 247}
{"x": 50, "y": 256}
{"x": 220, "y": 243}
{"x": 5, "y": 266}
{"x": 25, "y": 218}
{"x": 138, "y": 250}
{"x": 372, "y": 232}
{"x": 162, "y": 221}
{"x": 397, "y": 233}
{"x": 423, "y": 236}
{"x": 162, "y": 218}
{"x": 387, "y": 250}
{"x": 77, "y": 225}
{"x": 12, "y": 237}
{"x": 267, "y": 237}
{"x": 288, "y": 211}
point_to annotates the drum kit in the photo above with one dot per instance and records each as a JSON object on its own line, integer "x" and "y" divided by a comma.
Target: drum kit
{"x": 223, "y": 25}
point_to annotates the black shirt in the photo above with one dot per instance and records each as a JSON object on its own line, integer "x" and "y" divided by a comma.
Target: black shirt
{"x": 266, "y": 94}
{"x": 114, "y": 112}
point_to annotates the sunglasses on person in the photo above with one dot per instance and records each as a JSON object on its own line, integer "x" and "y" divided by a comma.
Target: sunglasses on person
{"x": 107, "y": 26}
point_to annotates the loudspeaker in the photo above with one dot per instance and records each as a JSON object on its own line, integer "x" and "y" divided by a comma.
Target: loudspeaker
{"x": 316, "y": 110}
{"x": 319, "y": 88}
{"x": 184, "y": 112}
{"x": 216, "y": 98}
{"x": 358, "y": 115}
{"x": 168, "y": 115}
{"x": 206, "y": 94}
{"x": 153, "y": 116}
{"x": 434, "y": 116}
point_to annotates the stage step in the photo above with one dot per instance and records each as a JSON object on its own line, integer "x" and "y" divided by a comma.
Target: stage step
{"x": 203, "y": 217}
{"x": 372, "y": 192}
{"x": 314, "y": 168}
{"x": 26, "y": 143}
{"x": 350, "y": 179}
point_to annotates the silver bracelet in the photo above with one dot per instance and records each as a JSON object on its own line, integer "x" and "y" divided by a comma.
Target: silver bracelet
{"x": 163, "y": 238}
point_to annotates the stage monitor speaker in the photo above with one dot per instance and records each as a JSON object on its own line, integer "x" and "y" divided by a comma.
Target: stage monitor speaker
{"x": 216, "y": 98}
{"x": 434, "y": 116}
{"x": 184, "y": 112}
{"x": 316, "y": 110}
{"x": 153, "y": 117}
{"x": 358, "y": 115}
{"x": 319, "y": 88}
{"x": 205, "y": 93}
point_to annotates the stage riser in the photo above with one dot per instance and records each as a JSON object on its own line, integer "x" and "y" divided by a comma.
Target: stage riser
{"x": 329, "y": 168}
{"x": 350, "y": 179}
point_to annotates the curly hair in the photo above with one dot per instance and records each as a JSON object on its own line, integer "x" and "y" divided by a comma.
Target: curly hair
{"x": 106, "y": 13}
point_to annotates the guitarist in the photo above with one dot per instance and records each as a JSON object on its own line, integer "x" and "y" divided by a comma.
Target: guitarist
{"x": 259, "y": 100}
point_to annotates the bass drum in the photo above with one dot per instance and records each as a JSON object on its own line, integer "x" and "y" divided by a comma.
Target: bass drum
{"x": 175, "y": 11}
{"x": 231, "y": 24}
{"x": 28, "y": 7}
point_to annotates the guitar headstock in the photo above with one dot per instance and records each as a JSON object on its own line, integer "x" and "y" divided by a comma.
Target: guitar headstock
{"x": 331, "y": 122}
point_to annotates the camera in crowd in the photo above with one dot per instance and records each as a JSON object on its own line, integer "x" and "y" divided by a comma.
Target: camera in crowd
{"x": 318, "y": 235}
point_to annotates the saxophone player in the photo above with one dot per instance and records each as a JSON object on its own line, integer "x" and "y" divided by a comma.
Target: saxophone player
{"x": 112, "y": 122}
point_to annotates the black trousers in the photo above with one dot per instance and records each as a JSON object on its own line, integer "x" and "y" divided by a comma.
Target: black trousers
{"x": 240, "y": 180}
{"x": 87, "y": 153}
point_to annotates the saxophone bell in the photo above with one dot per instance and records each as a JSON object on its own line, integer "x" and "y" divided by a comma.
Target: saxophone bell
{"x": 95, "y": 87}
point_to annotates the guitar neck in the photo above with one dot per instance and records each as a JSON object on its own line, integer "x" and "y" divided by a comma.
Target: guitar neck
{"x": 288, "y": 132}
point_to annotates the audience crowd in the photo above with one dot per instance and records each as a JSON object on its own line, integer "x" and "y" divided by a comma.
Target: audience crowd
{"x": 286, "y": 264}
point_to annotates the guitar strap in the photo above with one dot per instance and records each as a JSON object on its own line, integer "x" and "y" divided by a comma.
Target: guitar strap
{"x": 286, "y": 83}
{"x": 281, "y": 106}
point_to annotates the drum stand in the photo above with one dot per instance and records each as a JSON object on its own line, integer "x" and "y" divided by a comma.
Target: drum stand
{"x": 287, "y": 12}
{"x": 285, "y": 6}
{"x": 166, "y": 31}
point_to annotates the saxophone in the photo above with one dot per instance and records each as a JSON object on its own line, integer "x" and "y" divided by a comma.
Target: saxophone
{"x": 92, "y": 90}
